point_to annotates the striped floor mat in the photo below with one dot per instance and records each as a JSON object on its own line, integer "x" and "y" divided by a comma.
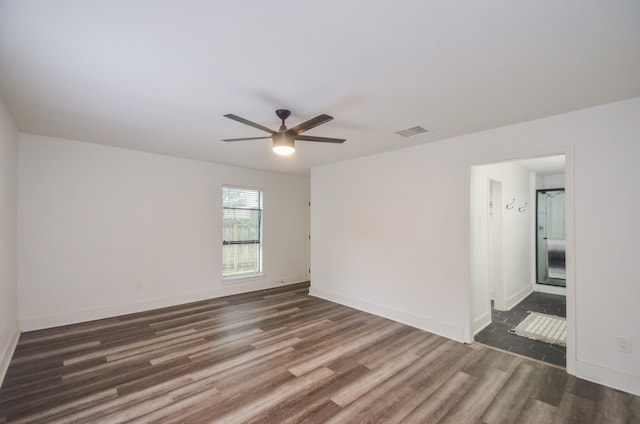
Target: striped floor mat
{"x": 542, "y": 327}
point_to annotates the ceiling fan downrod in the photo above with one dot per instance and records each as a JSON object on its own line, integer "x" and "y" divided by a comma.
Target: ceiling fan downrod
{"x": 283, "y": 114}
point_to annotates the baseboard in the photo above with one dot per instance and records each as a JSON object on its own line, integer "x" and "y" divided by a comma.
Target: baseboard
{"x": 7, "y": 354}
{"x": 481, "y": 322}
{"x": 518, "y": 297}
{"x": 416, "y": 321}
{"x": 544, "y": 288}
{"x": 608, "y": 377}
{"x": 227, "y": 289}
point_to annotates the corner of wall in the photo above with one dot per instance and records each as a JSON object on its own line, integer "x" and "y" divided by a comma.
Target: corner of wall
{"x": 518, "y": 297}
{"x": 7, "y": 353}
{"x": 481, "y": 322}
{"x": 8, "y": 237}
{"x": 422, "y": 323}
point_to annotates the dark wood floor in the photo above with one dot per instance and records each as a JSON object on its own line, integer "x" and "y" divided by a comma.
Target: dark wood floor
{"x": 281, "y": 356}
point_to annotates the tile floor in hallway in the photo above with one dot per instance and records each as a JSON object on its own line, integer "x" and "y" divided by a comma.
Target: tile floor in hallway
{"x": 497, "y": 333}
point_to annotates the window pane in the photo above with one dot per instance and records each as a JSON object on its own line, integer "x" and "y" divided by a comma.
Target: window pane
{"x": 240, "y": 224}
{"x": 241, "y": 198}
{"x": 241, "y": 231}
{"x": 239, "y": 259}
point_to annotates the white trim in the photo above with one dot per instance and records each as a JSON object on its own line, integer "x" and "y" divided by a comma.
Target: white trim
{"x": 5, "y": 359}
{"x": 38, "y": 323}
{"x": 608, "y": 377}
{"x": 467, "y": 262}
{"x": 498, "y": 295}
{"x": 518, "y": 297}
{"x": 416, "y": 321}
{"x": 243, "y": 278}
{"x": 481, "y": 322}
{"x": 572, "y": 316}
{"x": 546, "y": 288}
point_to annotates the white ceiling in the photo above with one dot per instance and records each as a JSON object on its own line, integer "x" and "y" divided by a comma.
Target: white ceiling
{"x": 157, "y": 75}
{"x": 549, "y": 165}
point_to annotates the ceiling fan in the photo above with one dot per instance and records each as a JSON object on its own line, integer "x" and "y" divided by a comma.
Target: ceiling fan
{"x": 283, "y": 139}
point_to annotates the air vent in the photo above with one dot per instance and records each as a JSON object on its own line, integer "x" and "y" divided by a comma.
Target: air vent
{"x": 412, "y": 132}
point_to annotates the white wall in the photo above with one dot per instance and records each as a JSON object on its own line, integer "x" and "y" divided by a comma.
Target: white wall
{"x": 104, "y": 231}
{"x": 517, "y": 239}
{"x": 388, "y": 235}
{"x": 8, "y": 224}
{"x": 551, "y": 181}
{"x": 391, "y": 232}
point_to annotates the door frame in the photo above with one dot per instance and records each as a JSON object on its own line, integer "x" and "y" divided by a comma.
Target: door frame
{"x": 568, "y": 152}
{"x": 495, "y": 244}
{"x": 537, "y": 249}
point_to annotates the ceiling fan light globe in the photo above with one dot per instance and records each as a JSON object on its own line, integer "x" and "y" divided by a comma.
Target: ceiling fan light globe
{"x": 283, "y": 150}
{"x": 283, "y": 144}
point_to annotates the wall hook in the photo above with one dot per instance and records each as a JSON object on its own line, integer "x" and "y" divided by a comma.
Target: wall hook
{"x": 509, "y": 206}
{"x": 523, "y": 207}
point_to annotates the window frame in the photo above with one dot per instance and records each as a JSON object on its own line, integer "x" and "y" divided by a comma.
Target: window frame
{"x": 259, "y": 242}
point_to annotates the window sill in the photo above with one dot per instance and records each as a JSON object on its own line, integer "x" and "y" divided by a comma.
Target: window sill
{"x": 242, "y": 278}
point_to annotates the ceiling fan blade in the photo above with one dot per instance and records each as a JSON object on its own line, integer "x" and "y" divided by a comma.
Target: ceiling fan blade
{"x": 244, "y": 139}
{"x": 320, "y": 139}
{"x": 247, "y": 122}
{"x": 311, "y": 123}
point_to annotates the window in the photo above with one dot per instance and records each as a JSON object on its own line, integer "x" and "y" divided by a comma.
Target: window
{"x": 241, "y": 232}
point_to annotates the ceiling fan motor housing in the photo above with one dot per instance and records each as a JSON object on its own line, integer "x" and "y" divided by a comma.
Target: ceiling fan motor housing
{"x": 283, "y": 114}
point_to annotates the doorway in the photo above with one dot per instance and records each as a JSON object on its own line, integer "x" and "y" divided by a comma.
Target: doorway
{"x": 550, "y": 237}
{"x": 505, "y": 252}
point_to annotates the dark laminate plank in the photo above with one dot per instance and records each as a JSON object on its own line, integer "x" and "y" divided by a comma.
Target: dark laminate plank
{"x": 478, "y": 398}
{"x": 360, "y": 342}
{"x": 236, "y": 397}
{"x": 317, "y": 413}
{"x": 350, "y": 393}
{"x": 514, "y": 396}
{"x": 396, "y": 396}
{"x": 440, "y": 363}
{"x": 380, "y": 351}
{"x": 313, "y": 402}
{"x": 616, "y": 408}
{"x": 537, "y": 412}
{"x": 554, "y": 382}
{"x": 258, "y": 406}
{"x": 574, "y": 409}
{"x": 430, "y": 379}
{"x": 281, "y": 356}
{"x": 440, "y": 401}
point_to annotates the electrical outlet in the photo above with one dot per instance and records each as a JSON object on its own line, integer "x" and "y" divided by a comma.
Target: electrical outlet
{"x": 623, "y": 344}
